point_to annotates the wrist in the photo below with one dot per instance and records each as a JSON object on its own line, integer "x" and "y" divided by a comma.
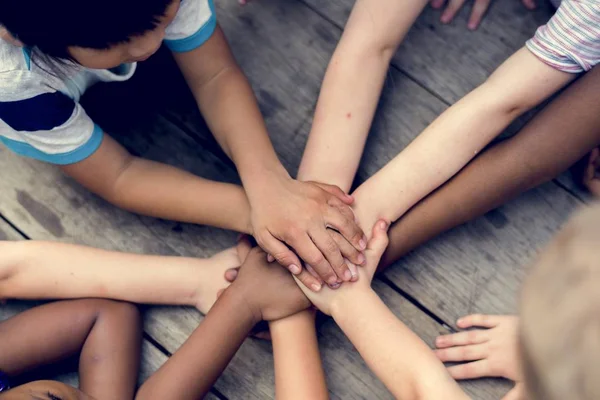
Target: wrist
{"x": 345, "y": 304}
{"x": 242, "y": 299}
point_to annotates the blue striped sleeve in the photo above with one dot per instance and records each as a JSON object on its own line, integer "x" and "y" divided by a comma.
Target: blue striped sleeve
{"x": 194, "y": 24}
{"x": 42, "y": 112}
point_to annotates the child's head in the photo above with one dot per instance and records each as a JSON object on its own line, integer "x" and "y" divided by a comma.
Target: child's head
{"x": 560, "y": 315}
{"x": 95, "y": 33}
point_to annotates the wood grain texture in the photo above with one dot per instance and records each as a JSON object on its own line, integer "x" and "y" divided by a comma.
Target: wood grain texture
{"x": 449, "y": 60}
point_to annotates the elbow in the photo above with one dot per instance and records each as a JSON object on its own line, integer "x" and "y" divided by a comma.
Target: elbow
{"x": 506, "y": 101}
{"x": 11, "y": 260}
{"x": 114, "y": 189}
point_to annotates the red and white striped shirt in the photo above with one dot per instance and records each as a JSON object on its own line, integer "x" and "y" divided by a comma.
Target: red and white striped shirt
{"x": 570, "y": 41}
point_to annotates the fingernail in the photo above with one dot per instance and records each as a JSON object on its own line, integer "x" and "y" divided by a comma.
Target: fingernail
{"x": 347, "y": 275}
{"x": 332, "y": 280}
{"x": 460, "y": 321}
{"x": 383, "y": 225}
{"x": 362, "y": 244}
{"x": 471, "y": 26}
{"x": 316, "y": 287}
{"x": 361, "y": 258}
{"x": 335, "y": 285}
{"x": 294, "y": 269}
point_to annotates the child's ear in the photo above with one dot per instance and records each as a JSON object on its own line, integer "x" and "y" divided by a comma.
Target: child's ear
{"x": 8, "y": 37}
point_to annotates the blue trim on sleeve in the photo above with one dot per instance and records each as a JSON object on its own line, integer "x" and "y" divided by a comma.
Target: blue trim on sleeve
{"x": 43, "y": 112}
{"x": 71, "y": 157}
{"x": 27, "y": 56}
{"x": 197, "y": 39}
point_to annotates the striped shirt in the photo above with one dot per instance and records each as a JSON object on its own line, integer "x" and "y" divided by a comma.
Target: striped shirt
{"x": 570, "y": 41}
{"x": 40, "y": 113}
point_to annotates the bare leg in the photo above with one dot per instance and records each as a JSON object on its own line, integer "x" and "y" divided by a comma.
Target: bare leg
{"x": 107, "y": 333}
{"x": 556, "y": 138}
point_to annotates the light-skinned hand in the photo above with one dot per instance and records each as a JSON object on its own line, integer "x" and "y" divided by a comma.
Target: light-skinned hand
{"x": 290, "y": 214}
{"x": 490, "y": 352}
{"x": 327, "y": 299}
{"x": 480, "y": 7}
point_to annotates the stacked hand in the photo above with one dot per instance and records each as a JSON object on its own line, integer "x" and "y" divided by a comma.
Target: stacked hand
{"x": 290, "y": 217}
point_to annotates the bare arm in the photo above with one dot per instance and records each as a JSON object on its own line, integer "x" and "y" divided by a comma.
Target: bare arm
{"x": 403, "y": 362}
{"x": 262, "y": 291}
{"x": 282, "y": 210}
{"x": 455, "y": 137}
{"x": 45, "y": 270}
{"x": 298, "y": 370}
{"x": 159, "y": 190}
{"x": 352, "y": 87}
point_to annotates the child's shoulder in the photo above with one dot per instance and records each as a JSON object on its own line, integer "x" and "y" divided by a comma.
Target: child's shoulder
{"x": 12, "y": 58}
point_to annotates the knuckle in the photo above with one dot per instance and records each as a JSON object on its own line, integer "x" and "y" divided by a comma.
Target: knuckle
{"x": 316, "y": 259}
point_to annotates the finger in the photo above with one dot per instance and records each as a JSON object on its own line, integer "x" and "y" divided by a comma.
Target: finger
{"x": 515, "y": 393}
{"x": 243, "y": 248}
{"x": 231, "y": 274}
{"x": 479, "y": 320}
{"x": 462, "y": 353}
{"x": 346, "y": 248}
{"x": 312, "y": 271}
{"x": 270, "y": 258}
{"x": 451, "y": 10}
{"x": 280, "y": 252}
{"x": 311, "y": 282}
{"x": 529, "y": 4}
{"x": 462, "y": 339}
{"x": 379, "y": 241}
{"x": 347, "y": 227}
{"x": 337, "y": 192}
{"x": 331, "y": 251}
{"x": 342, "y": 207}
{"x": 311, "y": 254}
{"x": 353, "y": 270}
{"x": 472, "y": 370}
{"x": 479, "y": 9}
{"x": 437, "y": 3}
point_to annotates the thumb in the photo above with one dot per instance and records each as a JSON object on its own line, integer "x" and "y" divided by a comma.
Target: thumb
{"x": 379, "y": 240}
{"x": 243, "y": 248}
{"x": 336, "y": 191}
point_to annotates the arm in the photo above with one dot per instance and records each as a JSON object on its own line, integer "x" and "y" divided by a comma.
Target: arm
{"x": 107, "y": 334}
{"x": 403, "y": 362}
{"x": 192, "y": 370}
{"x": 538, "y": 153}
{"x": 352, "y": 86}
{"x": 455, "y": 137}
{"x": 225, "y": 98}
{"x": 262, "y": 291}
{"x": 27, "y": 268}
{"x": 398, "y": 357}
{"x": 298, "y": 370}
{"x": 160, "y": 190}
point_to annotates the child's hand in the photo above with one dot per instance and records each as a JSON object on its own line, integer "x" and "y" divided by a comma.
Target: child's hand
{"x": 270, "y": 291}
{"x": 492, "y": 352}
{"x": 480, "y": 7}
{"x": 298, "y": 213}
{"x": 326, "y": 299}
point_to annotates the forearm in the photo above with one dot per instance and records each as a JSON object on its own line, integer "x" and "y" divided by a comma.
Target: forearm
{"x": 351, "y": 89}
{"x": 159, "y": 190}
{"x": 402, "y": 361}
{"x": 298, "y": 371}
{"x": 44, "y": 270}
{"x": 538, "y": 153}
{"x": 193, "y": 369}
{"x": 454, "y": 138}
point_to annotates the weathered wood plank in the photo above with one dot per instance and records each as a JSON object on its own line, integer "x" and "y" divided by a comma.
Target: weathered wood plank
{"x": 7, "y": 232}
{"x": 449, "y": 60}
{"x": 479, "y": 267}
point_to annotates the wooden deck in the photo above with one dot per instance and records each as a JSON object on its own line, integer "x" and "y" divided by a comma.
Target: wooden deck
{"x": 284, "y": 47}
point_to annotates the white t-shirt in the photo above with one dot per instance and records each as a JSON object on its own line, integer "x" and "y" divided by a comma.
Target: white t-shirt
{"x": 40, "y": 114}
